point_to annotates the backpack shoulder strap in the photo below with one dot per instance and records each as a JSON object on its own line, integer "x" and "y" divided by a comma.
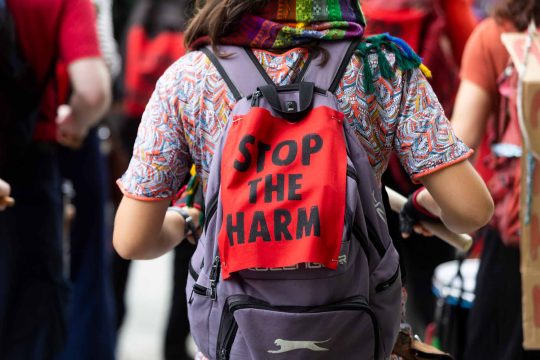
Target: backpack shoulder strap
{"x": 339, "y": 57}
{"x": 248, "y": 74}
{"x": 241, "y": 66}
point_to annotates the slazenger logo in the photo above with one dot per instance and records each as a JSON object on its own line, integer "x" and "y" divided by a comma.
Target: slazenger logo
{"x": 286, "y": 346}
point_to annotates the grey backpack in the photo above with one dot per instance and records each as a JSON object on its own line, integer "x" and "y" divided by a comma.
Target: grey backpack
{"x": 295, "y": 261}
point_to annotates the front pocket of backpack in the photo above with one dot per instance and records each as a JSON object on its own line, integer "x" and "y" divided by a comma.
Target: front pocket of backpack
{"x": 252, "y": 329}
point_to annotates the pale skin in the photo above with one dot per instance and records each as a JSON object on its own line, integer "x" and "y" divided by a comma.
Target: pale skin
{"x": 471, "y": 113}
{"x": 90, "y": 100}
{"x": 156, "y": 231}
{"x": 5, "y": 191}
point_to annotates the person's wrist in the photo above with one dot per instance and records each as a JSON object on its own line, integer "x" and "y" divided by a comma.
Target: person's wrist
{"x": 189, "y": 217}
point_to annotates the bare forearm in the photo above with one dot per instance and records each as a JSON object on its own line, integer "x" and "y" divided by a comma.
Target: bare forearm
{"x": 456, "y": 222}
{"x": 91, "y": 83}
{"x": 146, "y": 230}
{"x": 459, "y": 197}
{"x": 171, "y": 235}
{"x": 89, "y": 111}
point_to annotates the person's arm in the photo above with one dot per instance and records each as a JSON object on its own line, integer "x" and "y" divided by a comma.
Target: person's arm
{"x": 438, "y": 158}
{"x": 471, "y": 113}
{"x": 91, "y": 97}
{"x": 458, "y": 195}
{"x": 155, "y": 232}
{"x": 469, "y": 120}
{"x": 160, "y": 163}
{"x": 89, "y": 77}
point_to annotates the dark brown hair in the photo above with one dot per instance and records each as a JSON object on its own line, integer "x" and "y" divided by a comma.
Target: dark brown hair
{"x": 518, "y": 12}
{"x": 216, "y": 18}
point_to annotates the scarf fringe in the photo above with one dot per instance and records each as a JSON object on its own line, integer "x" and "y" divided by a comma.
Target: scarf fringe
{"x": 406, "y": 58}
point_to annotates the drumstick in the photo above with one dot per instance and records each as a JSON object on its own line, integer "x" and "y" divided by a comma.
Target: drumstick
{"x": 7, "y": 201}
{"x": 461, "y": 242}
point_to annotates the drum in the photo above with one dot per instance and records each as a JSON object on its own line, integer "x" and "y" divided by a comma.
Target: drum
{"x": 454, "y": 283}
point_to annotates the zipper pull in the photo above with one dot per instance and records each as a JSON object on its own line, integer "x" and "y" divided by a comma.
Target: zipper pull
{"x": 223, "y": 354}
{"x": 255, "y": 98}
{"x": 214, "y": 276}
{"x": 214, "y": 273}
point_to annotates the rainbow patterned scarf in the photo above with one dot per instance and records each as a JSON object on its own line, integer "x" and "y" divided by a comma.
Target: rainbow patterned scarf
{"x": 289, "y": 23}
{"x": 285, "y": 24}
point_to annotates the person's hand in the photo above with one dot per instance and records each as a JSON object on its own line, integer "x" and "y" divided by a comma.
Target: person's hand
{"x": 5, "y": 191}
{"x": 412, "y": 214}
{"x": 70, "y": 132}
{"x": 195, "y": 233}
{"x": 179, "y": 215}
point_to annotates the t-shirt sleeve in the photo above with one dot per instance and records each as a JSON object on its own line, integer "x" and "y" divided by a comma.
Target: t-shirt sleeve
{"x": 480, "y": 63}
{"x": 425, "y": 141}
{"x": 78, "y": 36}
{"x": 160, "y": 159}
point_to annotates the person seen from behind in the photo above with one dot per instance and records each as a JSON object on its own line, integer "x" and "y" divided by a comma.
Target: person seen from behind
{"x": 383, "y": 94}
{"x": 91, "y": 332}
{"x": 481, "y": 111}
{"x": 57, "y": 40}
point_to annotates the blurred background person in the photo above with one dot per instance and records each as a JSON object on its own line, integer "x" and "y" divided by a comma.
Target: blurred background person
{"x": 91, "y": 330}
{"x": 58, "y": 42}
{"x": 483, "y": 111}
{"x": 437, "y": 30}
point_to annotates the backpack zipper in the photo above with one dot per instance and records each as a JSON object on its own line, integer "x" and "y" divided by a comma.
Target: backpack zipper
{"x": 193, "y": 272}
{"x": 240, "y": 302}
{"x": 212, "y": 207}
{"x": 214, "y": 277}
{"x": 386, "y": 284}
{"x": 216, "y": 264}
{"x": 201, "y": 290}
{"x": 255, "y": 99}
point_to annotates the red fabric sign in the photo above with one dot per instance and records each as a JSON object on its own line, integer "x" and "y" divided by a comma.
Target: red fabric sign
{"x": 283, "y": 188}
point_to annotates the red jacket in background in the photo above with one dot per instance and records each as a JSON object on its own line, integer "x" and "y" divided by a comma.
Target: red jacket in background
{"x": 54, "y": 30}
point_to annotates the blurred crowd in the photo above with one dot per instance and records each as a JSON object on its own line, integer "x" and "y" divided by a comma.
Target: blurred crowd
{"x": 94, "y": 65}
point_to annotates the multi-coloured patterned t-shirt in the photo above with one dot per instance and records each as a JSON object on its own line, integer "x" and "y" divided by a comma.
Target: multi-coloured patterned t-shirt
{"x": 191, "y": 103}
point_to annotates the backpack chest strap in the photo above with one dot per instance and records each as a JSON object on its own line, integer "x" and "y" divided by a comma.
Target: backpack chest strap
{"x": 329, "y": 76}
